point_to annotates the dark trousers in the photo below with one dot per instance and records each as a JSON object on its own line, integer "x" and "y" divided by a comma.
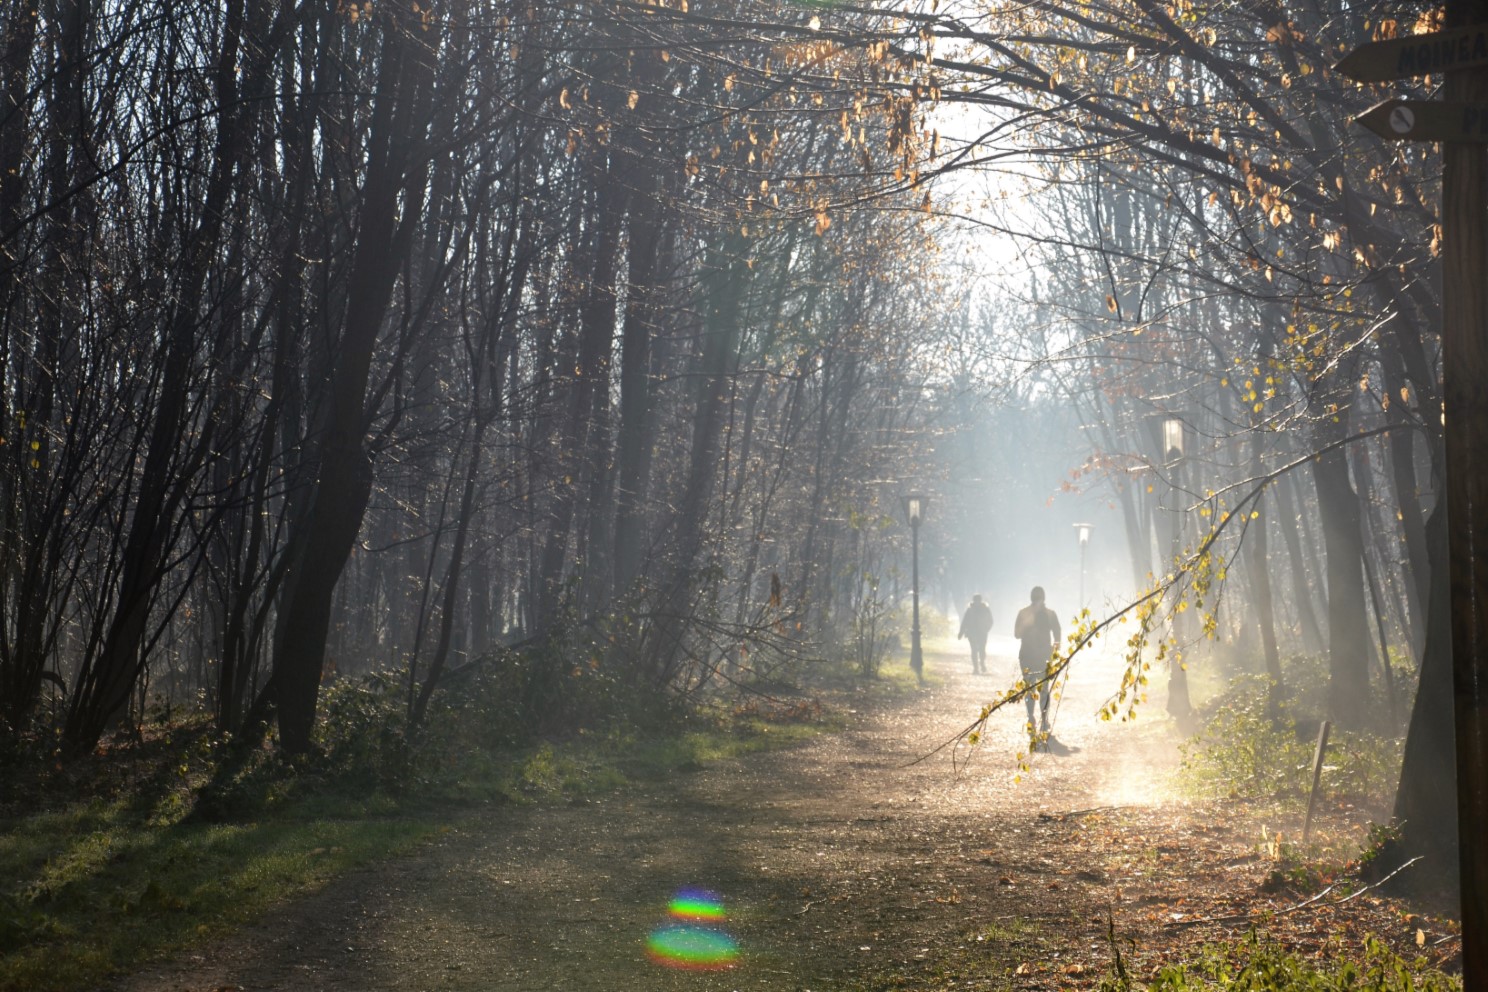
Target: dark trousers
{"x": 1033, "y": 671}
{"x": 978, "y": 653}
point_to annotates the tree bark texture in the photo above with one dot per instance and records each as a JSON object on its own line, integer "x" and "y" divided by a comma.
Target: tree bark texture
{"x": 1465, "y": 369}
{"x": 394, "y": 187}
{"x": 1348, "y": 631}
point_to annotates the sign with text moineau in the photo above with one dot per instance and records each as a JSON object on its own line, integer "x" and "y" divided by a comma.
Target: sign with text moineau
{"x": 1427, "y": 120}
{"x": 1417, "y": 55}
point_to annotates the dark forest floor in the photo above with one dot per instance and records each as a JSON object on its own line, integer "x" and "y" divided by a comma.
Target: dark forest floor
{"x": 842, "y": 864}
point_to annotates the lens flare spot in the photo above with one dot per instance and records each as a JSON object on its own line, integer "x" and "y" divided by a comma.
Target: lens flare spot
{"x": 693, "y": 937}
{"x": 696, "y": 906}
{"x": 691, "y": 947}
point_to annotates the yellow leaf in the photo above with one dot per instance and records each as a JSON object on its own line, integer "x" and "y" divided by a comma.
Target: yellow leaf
{"x": 634, "y": 99}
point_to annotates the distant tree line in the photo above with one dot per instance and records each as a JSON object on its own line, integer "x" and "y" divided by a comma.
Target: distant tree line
{"x": 352, "y": 335}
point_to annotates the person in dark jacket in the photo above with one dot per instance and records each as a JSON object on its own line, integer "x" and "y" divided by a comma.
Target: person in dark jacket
{"x": 1037, "y": 629}
{"x": 976, "y": 624}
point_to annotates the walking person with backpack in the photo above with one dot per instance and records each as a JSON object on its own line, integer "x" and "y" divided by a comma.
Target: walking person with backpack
{"x": 1037, "y": 630}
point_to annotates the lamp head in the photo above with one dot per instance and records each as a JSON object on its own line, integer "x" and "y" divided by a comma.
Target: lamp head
{"x": 1172, "y": 428}
{"x": 914, "y": 507}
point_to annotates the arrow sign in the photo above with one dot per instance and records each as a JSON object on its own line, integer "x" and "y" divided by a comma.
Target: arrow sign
{"x": 1427, "y": 120}
{"x": 1416, "y": 55}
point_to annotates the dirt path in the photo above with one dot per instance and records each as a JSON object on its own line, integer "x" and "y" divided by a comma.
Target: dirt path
{"x": 841, "y": 866}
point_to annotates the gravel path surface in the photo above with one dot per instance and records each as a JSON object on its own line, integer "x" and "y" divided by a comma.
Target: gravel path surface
{"x": 842, "y": 864}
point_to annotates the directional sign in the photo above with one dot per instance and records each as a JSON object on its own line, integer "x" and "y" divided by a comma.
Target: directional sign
{"x": 1427, "y": 120}
{"x": 1417, "y": 55}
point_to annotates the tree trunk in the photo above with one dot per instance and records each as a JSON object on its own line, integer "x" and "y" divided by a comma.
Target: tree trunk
{"x": 22, "y": 541}
{"x": 723, "y": 285}
{"x": 1348, "y": 632}
{"x": 1426, "y": 801}
{"x": 633, "y": 441}
{"x": 589, "y": 387}
{"x": 1401, "y": 442}
{"x": 394, "y": 187}
{"x": 1311, "y": 633}
{"x": 1258, "y": 553}
{"x": 105, "y": 683}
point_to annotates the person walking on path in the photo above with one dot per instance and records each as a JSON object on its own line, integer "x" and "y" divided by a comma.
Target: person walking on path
{"x": 976, "y": 624}
{"x": 1037, "y": 629}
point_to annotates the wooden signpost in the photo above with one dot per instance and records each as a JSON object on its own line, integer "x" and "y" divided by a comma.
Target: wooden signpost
{"x": 1317, "y": 777}
{"x": 1421, "y": 55}
{"x": 1416, "y": 55}
{"x": 1460, "y": 54}
{"x": 1427, "y": 120}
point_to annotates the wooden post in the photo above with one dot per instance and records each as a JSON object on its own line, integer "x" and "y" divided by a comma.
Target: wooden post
{"x": 1465, "y": 401}
{"x": 1317, "y": 777}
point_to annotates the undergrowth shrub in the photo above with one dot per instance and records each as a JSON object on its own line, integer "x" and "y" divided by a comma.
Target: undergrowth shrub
{"x": 1240, "y": 752}
{"x": 514, "y": 704}
{"x": 487, "y": 731}
{"x": 363, "y": 732}
{"x": 1260, "y": 964}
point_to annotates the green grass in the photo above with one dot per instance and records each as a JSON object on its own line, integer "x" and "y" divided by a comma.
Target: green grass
{"x": 1260, "y": 964}
{"x": 103, "y": 889}
{"x": 104, "y": 883}
{"x": 1014, "y": 928}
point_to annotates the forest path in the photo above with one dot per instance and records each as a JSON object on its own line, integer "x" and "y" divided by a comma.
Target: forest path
{"x": 841, "y": 864}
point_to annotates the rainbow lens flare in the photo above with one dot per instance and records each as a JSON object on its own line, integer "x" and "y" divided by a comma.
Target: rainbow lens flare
{"x": 691, "y": 947}
{"x": 695, "y": 941}
{"x": 696, "y": 906}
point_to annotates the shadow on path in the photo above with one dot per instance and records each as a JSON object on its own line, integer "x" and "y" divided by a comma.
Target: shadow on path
{"x": 842, "y": 863}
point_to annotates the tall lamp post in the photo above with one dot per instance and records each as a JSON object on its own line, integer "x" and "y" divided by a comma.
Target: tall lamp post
{"x": 1083, "y": 530}
{"x": 1172, "y": 446}
{"x": 914, "y": 507}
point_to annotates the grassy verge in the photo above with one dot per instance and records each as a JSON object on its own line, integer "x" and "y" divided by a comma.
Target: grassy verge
{"x": 102, "y": 888}
{"x": 105, "y": 869}
{"x": 1260, "y": 964}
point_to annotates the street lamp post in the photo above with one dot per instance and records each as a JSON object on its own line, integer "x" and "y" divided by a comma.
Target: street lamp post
{"x": 914, "y": 506}
{"x": 1083, "y": 530}
{"x": 1172, "y": 445}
